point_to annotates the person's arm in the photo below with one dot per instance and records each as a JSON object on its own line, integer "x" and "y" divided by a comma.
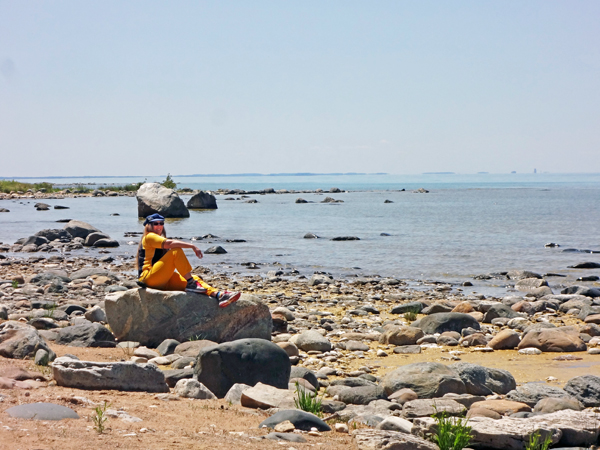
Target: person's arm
{"x": 172, "y": 243}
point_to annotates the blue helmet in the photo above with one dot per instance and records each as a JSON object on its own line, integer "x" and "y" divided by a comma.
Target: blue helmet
{"x": 154, "y": 218}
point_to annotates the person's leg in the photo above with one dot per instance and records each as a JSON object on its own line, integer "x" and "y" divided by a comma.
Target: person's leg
{"x": 161, "y": 272}
{"x": 211, "y": 291}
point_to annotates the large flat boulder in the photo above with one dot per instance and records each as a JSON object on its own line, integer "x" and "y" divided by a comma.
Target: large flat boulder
{"x": 441, "y": 322}
{"x": 426, "y": 379}
{"x": 155, "y": 198}
{"x": 19, "y": 340}
{"x": 77, "y": 228}
{"x": 85, "y": 335}
{"x": 247, "y": 361}
{"x": 481, "y": 380}
{"x": 585, "y": 388}
{"x": 121, "y": 376}
{"x": 563, "y": 339}
{"x": 368, "y": 439}
{"x": 150, "y": 316}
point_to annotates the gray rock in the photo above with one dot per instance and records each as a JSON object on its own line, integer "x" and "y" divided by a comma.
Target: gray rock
{"x": 234, "y": 394}
{"x": 302, "y": 420}
{"x": 167, "y": 347}
{"x": 93, "y": 237}
{"x": 121, "y": 376}
{"x": 582, "y": 290}
{"x": 289, "y": 437}
{"x": 311, "y": 340}
{"x": 243, "y": 361}
{"x": 76, "y": 228}
{"x": 552, "y": 404}
{"x": 308, "y": 375}
{"x": 408, "y": 349}
{"x": 42, "y": 357}
{"x": 396, "y": 335}
{"x": 106, "y": 243}
{"x": 499, "y": 310}
{"x": 35, "y": 240}
{"x": 18, "y": 340}
{"x": 155, "y": 198}
{"x": 531, "y": 393}
{"x": 428, "y": 407}
{"x": 54, "y": 234}
{"x": 415, "y": 307}
{"x": 585, "y": 388}
{"x": 42, "y": 411}
{"x": 367, "y": 439}
{"x": 202, "y": 200}
{"x": 440, "y": 322}
{"x": 216, "y": 250}
{"x": 150, "y": 316}
{"x": 352, "y": 382}
{"x": 172, "y": 377}
{"x": 362, "y": 395}
{"x": 183, "y": 362}
{"x": 95, "y": 314}
{"x": 427, "y": 380}
{"x": 190, "y": 388}
{"x": 87, "y": 272}
{"x": 481, "y": 380}
{"x": 192, "y": 348}
{"x": 86, "y": 335}
{"x": 264, "y": 396}
{"x": 393, "y": 423}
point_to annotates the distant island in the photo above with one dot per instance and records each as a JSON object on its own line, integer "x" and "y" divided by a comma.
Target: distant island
{"x": 439, "y": 173}
{"x": 299, "y": 174}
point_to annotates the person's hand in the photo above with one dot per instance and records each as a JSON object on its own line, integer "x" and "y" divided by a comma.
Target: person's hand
{"x": 198, "y": 252}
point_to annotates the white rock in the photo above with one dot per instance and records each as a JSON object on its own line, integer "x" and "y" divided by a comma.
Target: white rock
{"x": 530, "y": 351}
{"x": 341, "y": 428}
{"x": 190, "y": 388}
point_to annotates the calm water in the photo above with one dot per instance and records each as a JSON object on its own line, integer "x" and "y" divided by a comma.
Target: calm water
{"x": 465, "y": 225}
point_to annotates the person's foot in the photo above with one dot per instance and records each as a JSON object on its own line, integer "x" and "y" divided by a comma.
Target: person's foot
{"x": 195, "y": 287}
{"x": 226, "y": 298}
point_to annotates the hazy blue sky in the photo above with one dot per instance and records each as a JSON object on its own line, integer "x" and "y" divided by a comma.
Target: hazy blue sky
{"x": 150, "y": 87}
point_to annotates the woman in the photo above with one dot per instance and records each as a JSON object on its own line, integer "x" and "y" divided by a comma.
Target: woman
{"x": 162, "y": 264}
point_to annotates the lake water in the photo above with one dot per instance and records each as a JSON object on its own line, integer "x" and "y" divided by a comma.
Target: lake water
{"x": 466, "y": 225}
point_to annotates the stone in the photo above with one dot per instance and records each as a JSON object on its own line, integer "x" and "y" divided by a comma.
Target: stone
{"x": 428, "y": 407}
{"x": 311, "y": 340}
{"x": 368, "y": 439}
{"x": 145, "y": 352}
{"x": 215, "y": 250}
{"x": 361, "y": 395}
{"x": 263, "y": 396}
{"x": 440, "y": 322}
{"x": 483, "y": 412}
{"x": 308, "y": 375}
{"x": 585, "y": 388}
{"x": 242, "y": 361}
{"x": 481, "y": 380}
{"x": 531, "y": 393}
{"x": 95, "y": 314}
{"x": 155, "y": 198}
{"x": 42, "y": 411}
{"x": 290, "y": 437}
{"x": 529, "y": 284}
{"x": 85, "y": 335}
{"x": 93, "y": 237}
{"x": 82, "y": 274}
{"x": 393, "y": 423}
{"x": 190, "y": 388}
{"x": 403, "y": 395}
{"x": 192, "y": 348}
{"x": 289, "y": 348}
{"x": 106, "y": 243}
{"x": 54, "y": 234}
{"x": 202, "y": 200}
{"x": 167, "y": 347}
{"x": 505, "y": 340}
{"x": 302, "y": 420}
{"x": 173, "y": 376}
{"x": 19, "y": 340}
{"x": 502, "y": 407}
{"x": 42, "y": 357}
{"x": 395, "y": 335}
{"x": 552, "y": 404}
{"x": 499, "y": 310}
{"x": 562, "y": 339}
{"x": 9, "y": 383}
{"x": 150, "y": 316}
{"x": 285, "y": 427}
{"x": 414, "y": 307}
{"x": 234, "y": 394}
{"x": 426, "y": 379}
{"x": 77, "y": 228}
{"x": 121, "y": 376}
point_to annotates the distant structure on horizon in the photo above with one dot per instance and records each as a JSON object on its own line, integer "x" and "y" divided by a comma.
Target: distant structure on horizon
{"x": 514, "y": 171}
{"x": 534, "y": 170}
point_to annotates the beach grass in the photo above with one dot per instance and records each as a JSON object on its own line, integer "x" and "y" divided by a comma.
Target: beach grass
{"x": 8, "y": 186}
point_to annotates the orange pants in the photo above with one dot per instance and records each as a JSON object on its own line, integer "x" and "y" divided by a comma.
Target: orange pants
{"x": 165, "y": 274}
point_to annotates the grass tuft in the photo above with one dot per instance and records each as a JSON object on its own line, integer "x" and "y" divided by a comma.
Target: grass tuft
{"x": 99, "y": 418}
{"x": 452, "y": 433}
{"x": 535, "y": 442}
{"x": 308, "y": 402}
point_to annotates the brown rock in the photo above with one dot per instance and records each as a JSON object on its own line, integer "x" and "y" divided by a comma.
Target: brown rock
{"x": 192, "y": 348}
{"x": 403, "y": 395}
{"x": 473, "y": 340}
{"x": 463, "y": 307}
{"x": 289, "y": 348}
{"x": 505, "y": 340}
{"x": 502, "y": 407}
{"x": 395, "y": 335}
{"x": 9, "y": 383}
{"x": 593, "y": 318}
{"x": 478, "y": 316}
{"x": 563, "y": 339}
{"x": 483, "y": 412}
{"x": 523, "y": 306}
{"x": 590, "y": 328}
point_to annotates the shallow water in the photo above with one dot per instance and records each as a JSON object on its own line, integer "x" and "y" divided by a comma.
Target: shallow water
{"x": 462, "y": 227}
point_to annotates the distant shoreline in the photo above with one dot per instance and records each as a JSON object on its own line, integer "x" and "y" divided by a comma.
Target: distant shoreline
{"x": 299, "y": 174}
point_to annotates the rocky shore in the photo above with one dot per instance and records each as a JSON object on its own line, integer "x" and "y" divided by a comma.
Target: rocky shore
{"x": 383, "y": 355}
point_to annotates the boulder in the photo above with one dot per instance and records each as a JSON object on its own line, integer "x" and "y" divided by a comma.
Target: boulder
{"x": 121, "y": 376}
{"x": 76, "y": 228}
{"x": 150, "y": 316}
{"x": 481, "y": 380}
{"x": 368, "y": 439}
{"x": 302, "y": 420}
{"x": 93, "y": 237}
{"x": 167, "y": 347}
{"x": 155, "y": 198}
{"x": 192, "y": 348}
{"x": 502, "y": 407}
{"x": 530, "y": 284}
{"x": 499, "y": 310}
{"x": 190, "y": 388}
{"x": 306, "y": 374}
{"x": 54, "y": 234}
{"x": 311, "y": 340}
{"x": 562, "y": 339}
{"x": 243, "y": 361}
{"x": 585, "y": 388}
{"x": 202, "y": 200}
{"x": 361, "y": 395}
{"x": 426, "y": 379}
{"x": 19, "y": 341}
{"x": 552, "y": 404}
{"x": 85, "y": 335}
{"x": 395, "y": 335}
{"x": 505, "y": 340}
{"x": 440, "y": 322}
{"x": 531, "y": 393}
{"x": 234, "y": 394}
{"x": 414, "y": 307}
{"x": 106, "y": 243}
{"x": 263, "y": 396}
{"x": 42, "y": 411}
{"x": 427, "y": 407}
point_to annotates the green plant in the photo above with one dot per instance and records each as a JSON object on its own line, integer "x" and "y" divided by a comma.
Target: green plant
{"x": 308, "y": 402}
{"x": 169, "y": 183}
{"x": 535, "y": 442}
{"x": 15, "y": 284}
{"x": 411, "y": 316}
{"x": 50, "y": 311}
{"x": 100, "y": 417}
{"x": 452, "y": 433}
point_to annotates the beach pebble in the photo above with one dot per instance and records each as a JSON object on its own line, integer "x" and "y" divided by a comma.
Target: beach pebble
{"x": 530, "y": 351}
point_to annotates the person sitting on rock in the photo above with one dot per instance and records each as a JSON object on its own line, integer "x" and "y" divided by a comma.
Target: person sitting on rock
{"x": 162, "y": 264}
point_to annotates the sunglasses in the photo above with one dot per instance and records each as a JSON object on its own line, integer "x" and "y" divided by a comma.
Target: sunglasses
{"x": 162, "y": 224}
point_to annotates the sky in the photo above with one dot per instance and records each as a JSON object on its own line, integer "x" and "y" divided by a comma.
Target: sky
{"x": 148, "y": 87}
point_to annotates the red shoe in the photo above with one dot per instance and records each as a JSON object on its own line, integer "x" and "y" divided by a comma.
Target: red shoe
{"x": 226, "y": 298}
